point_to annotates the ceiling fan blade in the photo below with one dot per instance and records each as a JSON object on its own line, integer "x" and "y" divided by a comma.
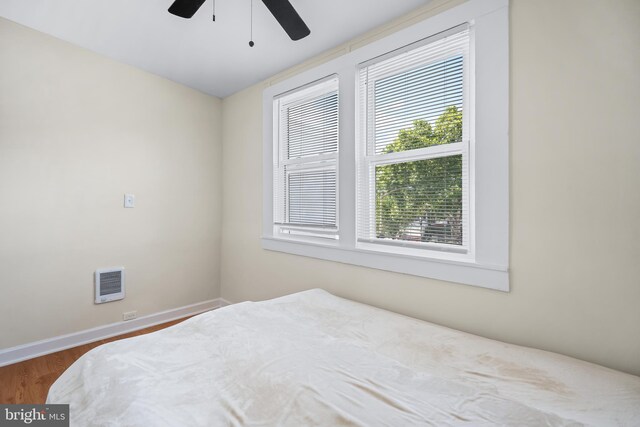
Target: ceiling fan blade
{"x": 185, "y": 8}
{"x": 288, "y": 18}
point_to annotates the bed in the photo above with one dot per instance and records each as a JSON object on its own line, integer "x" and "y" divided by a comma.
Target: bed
{"x": 312, "y": 358}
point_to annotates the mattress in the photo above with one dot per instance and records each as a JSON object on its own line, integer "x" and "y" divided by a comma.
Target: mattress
{"x": 312, "y": 359}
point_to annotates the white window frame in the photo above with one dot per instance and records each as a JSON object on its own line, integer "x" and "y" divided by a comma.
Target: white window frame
{"x": 487, "y": 264}
{"x": 326, "y": 161}
{"x": 366, "y": 159}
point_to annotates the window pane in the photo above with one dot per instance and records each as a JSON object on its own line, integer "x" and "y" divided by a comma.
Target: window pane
{"x": 419, "y": 86}
{"x": 428, "y": 98}
{"x": 312, "y": 126}
{"x": 305, "y": 202}
{"x": 413, "y": 99}
{"x": 420, "y": 201}
{"x": 312, "y": 198}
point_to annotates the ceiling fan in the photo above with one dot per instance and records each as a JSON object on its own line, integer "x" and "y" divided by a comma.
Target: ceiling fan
{"x": 282, "y": 10}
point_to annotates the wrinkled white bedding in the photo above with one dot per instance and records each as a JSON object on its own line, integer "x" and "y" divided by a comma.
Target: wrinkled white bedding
{"x": 315, "y": 359}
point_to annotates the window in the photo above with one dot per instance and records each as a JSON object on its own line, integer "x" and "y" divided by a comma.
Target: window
{"x": 395, "y": 155}
{"x": 305, "y": 162}
{"x": 413, "y": 189}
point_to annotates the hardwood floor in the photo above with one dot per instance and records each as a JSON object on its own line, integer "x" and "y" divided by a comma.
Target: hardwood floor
{"x": 29, "y": 381}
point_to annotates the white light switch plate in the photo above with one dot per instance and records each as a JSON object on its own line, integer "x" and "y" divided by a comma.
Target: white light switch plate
{"x": 129, "y": 200}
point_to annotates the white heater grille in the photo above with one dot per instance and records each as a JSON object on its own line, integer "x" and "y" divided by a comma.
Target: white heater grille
{"x": 109, "y": 284}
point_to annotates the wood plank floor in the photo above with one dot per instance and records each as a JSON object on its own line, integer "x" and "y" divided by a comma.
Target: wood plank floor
{"x": 29, "y": 381}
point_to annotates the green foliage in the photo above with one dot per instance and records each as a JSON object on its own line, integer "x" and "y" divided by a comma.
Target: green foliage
{"x": 422, "y": 200}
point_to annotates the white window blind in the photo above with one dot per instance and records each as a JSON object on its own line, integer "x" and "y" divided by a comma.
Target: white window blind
{"x": 305, "y": 181}
{"x": 413, "y": 174}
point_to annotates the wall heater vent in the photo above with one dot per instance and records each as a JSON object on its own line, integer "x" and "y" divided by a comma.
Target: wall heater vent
{"x": 109, "y": 284}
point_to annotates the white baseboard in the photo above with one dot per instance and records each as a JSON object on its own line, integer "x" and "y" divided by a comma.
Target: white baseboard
{"x": 51, "y": 345}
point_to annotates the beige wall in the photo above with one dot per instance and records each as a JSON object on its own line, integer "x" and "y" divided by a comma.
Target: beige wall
{"x": 575, "y": 167}
{"x": 77, "y": 131}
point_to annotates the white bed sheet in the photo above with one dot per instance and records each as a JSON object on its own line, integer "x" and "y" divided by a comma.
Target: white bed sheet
{"x": 315, "y": 359}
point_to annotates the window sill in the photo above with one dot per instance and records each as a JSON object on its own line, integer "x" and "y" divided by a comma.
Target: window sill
{"x": 467, "y": 272}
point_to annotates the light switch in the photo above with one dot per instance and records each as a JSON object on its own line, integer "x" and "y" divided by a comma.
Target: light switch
{"x": 129, "y": 200}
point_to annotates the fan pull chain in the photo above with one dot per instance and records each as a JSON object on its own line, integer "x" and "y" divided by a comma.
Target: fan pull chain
{"x": 251, "y": 43}
{"x": 214, "y": 10}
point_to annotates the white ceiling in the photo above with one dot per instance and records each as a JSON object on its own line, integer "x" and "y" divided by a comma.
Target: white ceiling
{"x": 212, "y": 57}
